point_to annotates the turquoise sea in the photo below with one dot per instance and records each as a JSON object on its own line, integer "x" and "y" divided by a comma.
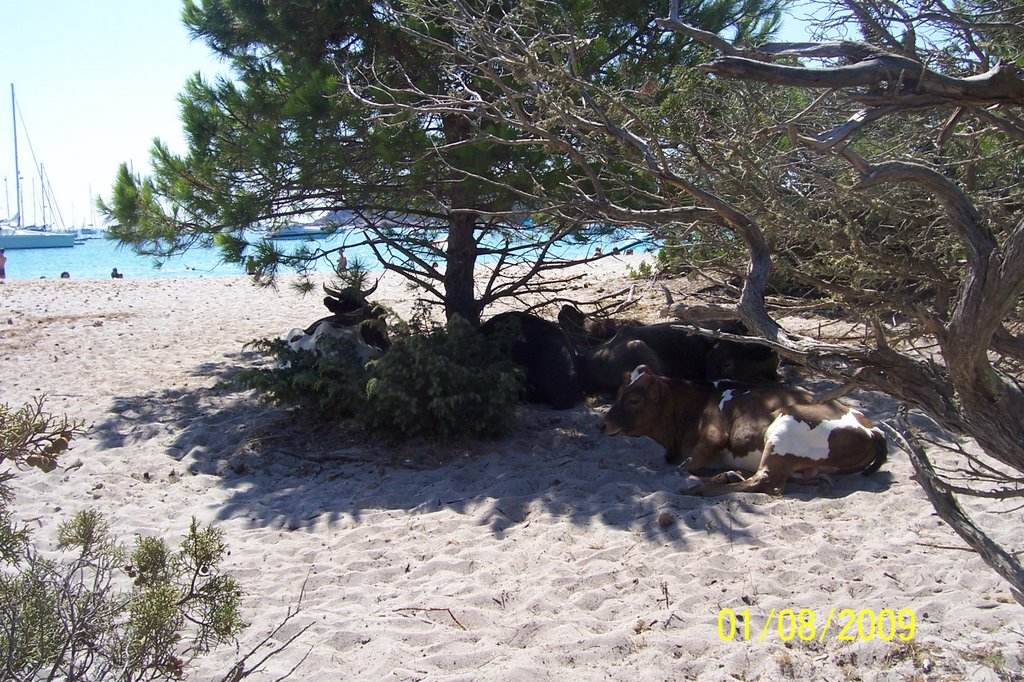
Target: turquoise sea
{"x": 95, "y": 258}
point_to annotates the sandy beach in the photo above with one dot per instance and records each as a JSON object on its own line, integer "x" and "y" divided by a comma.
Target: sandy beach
{"x": 556, "y": 553}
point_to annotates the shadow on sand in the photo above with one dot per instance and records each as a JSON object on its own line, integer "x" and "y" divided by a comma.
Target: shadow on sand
{"x": 283, "y": 473}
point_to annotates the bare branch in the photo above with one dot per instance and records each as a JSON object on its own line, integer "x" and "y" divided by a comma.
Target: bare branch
{"x": 952, "y": 513}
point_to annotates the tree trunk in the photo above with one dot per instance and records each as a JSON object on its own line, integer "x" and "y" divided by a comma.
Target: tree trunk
{"x": 459, "y": 285}
{"x": 460, "y": 294}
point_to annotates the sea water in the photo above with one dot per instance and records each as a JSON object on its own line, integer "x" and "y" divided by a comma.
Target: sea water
{"x": 96, "y": 258}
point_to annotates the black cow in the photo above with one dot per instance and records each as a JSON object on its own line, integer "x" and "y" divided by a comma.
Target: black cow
{"x": 736, "y": 360}
{"x": 673, "y": 351}
{"x": 544, "y": 352}
{"x": 667, "y": 349}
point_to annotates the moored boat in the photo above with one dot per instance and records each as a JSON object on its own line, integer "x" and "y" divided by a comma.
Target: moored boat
{"x": 298, "y": 232}
{"x": 13, "y": 235}
{"x": 18, "y": 238}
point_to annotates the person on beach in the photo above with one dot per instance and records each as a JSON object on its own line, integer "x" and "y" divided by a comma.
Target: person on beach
{"x": 65, "y": 275}
{"x": 114, "y": 274}
{"x": 3, "y": 262}
{"x": 342, "y": 261}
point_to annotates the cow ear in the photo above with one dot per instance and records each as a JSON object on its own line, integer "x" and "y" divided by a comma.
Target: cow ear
{"x": 660, "y": 391}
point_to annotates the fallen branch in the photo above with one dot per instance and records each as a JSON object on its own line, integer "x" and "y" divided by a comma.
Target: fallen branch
{"x": 239, "y": 671}
{"x": 427, "y": 610}
{"x": 950, "y": 511}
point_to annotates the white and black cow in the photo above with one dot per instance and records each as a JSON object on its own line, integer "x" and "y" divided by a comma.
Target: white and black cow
{"x": 354, "y": 319}
{"x": 311, "y": 338}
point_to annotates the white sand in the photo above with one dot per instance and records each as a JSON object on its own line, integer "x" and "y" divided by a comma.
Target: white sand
{"x": 540, "y": 556}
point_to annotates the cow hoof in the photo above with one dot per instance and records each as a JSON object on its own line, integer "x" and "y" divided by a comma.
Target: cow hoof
{"x": 825, "y": 484}
{"x": 694, "y": 491}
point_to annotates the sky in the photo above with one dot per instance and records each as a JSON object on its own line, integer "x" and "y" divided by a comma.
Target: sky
{"x": 95, "y": 82}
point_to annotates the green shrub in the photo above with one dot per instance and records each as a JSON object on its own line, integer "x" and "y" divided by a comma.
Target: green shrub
{"x": 642, "y": 271}
{"x": 30, "y": 436}
{"x": 443, "y": 383}
{"x": 71, "y": 619}
{"x": 329, "y": 384}
{"x": 77, "y": 615}
{"x": 446, "y": 383}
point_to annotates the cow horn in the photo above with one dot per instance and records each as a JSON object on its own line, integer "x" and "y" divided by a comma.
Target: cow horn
{"x": 366, "y": 294}
{"x": 341, "y": 293}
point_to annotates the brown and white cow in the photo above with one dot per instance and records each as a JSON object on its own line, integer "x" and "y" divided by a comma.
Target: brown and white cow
{"x": 772, "y": 433}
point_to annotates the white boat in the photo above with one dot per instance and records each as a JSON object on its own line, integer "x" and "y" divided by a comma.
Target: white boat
{"x": 298, "y": 232}
{"x": 90, "y": 233}
{"x": 335, "y": 222}
{"x": 13, "y": 235}
{"x": 20, "y": 238}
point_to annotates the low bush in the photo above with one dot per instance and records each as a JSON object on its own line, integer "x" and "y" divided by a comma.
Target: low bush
{"x": 442, "y": 383}
{"x": 93, "y": 610}
{"x": 330, "y": 384}
{"x": 445, "y": 383}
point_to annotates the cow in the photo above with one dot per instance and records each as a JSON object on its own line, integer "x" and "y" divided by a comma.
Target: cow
{"x": 549, "y": 362}
{"x": 668, "y": 349}
{"x": 675, "y": 351}
{"x": 587, "y": 330}
{"x": 773, "y": 433}
{"x": 311, "y": 338}
{"x": 353, "y": 318}
{"x": 736, "y": 360}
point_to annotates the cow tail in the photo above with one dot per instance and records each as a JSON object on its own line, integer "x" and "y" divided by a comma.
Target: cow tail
{"x": 881, "y": 453}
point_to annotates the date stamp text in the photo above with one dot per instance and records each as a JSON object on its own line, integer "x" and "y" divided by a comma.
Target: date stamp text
{"x": 845, "y": 625}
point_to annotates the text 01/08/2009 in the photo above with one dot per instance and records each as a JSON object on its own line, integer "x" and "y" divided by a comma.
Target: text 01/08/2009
{"x": 845, "y": 625}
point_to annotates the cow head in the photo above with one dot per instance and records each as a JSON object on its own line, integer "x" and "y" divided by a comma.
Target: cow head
{"x": 742, "y": 362}
{"x": 638, "y": 407}
{"x": 351, "y": 303}
{"x": 587, "y": 330}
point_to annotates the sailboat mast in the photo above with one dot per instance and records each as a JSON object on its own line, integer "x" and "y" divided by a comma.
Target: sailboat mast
{"x": 42, "y": 187}
{"x": 17, "y": 173}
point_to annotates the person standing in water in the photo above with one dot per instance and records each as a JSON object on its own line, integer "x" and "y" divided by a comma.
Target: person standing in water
{"x": 3, "y": 263}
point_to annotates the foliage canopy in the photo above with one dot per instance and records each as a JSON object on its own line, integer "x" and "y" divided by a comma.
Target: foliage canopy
{"x": 305, "y": 126}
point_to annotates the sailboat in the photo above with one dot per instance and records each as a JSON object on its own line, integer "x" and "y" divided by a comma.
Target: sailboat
{"x": 13, "y": 235}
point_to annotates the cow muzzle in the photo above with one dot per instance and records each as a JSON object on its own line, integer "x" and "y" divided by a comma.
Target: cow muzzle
{"x": 609, "y": 428}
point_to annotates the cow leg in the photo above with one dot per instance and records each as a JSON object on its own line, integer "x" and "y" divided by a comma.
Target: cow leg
{"x": 711, "y": 444}
{"x": 732, "y": 476}
{"x": 767, "y": 479}
{"x": 824, "y": 482}
{"x": 718, "y": 479}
